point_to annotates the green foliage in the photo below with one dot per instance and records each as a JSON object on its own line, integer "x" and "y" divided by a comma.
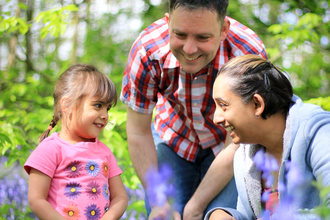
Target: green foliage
{"x": 13, "y": 24}
{"x": 323, "y": 102}
{"x": 54, "y": 20}
{"x": 323, "y": 211}
{"x": 26, "y": 87}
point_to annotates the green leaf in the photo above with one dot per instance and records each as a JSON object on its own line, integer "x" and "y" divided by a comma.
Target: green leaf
{"x": 275, "y": 29}
{"x": 22, "y": 6}
{"x": 71, "y": 8}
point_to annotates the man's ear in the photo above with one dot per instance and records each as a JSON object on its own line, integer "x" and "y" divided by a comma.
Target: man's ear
{"x": 224, "y": 30}
{"x": 167, "y": 17}
{"x": 259, "y": 104}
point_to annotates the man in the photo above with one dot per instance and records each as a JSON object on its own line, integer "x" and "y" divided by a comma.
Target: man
{"x": 172, "y": 66}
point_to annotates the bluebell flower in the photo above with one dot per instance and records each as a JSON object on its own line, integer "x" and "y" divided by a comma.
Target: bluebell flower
{"x": 293, "y": 174}
{"x": 259, "y": 159}
{"x": 159, "y": 187}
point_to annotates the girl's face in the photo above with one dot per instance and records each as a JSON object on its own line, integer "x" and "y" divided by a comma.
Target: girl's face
{"x": 87, "y": 121}
{"x": 238, "y": 118}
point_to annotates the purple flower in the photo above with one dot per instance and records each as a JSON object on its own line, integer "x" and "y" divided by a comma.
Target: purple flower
{"x": 259, "y": 159}
{"x": 105, "y": 191}
{"x": 293, "y": 174}
{"x": 93, "y": 190}
{"x": 72, "y": 190}
{"x": 92, "y": 168}
{"x": 92, "y": 212}
{"x": 159, "y": 187}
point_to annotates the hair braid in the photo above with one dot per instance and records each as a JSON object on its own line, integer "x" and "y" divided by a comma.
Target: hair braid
{"x": 52, "y": 124}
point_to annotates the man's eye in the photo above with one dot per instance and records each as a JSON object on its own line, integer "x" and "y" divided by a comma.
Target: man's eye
{"x": 203, "y": 38}
{"x": 179, "y": 35}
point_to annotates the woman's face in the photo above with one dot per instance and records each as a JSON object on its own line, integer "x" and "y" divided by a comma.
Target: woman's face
{"x": 238, "y": 118}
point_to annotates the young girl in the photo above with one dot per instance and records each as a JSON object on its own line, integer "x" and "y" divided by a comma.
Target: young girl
{"x": 72, "y": 174}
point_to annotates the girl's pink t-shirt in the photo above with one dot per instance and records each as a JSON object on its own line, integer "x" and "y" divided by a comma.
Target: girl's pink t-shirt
{"x": 79, "y": 187}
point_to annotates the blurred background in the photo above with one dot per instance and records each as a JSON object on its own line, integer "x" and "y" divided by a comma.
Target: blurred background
{"x": 39, "y": 39}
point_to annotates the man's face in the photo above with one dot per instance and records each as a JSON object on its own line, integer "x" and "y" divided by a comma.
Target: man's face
{"x": 195, "y": 37}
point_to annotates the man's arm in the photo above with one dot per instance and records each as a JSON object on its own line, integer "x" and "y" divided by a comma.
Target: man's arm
{"x": 143, "y": 154}
{"x": 141, "y": 146}
{"x": 217, "y": 177}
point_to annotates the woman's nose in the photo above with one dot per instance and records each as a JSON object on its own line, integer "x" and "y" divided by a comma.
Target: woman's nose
{"x": 218, "y": 117}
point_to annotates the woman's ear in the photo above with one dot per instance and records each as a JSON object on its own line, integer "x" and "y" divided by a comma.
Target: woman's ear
{"x": 64, "y": 104}
{"x": 259, "y": 104}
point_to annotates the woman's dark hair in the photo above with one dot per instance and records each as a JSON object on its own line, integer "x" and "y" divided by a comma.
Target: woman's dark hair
{"x": 252, "y": 74}
{"x": 76, "y": 83}
{"x": 219, "y": 6}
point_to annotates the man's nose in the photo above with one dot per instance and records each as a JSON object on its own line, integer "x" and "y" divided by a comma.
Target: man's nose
{"x": 190, "y": 46}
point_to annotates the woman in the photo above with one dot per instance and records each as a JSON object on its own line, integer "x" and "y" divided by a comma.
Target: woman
{"x": 255, "y": 103}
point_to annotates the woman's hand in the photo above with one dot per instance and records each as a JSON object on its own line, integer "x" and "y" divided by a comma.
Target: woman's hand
{"x": 220, "y": 215}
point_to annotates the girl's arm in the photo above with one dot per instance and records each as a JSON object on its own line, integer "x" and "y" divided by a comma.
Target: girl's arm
{"x": 39, "y": 184}
{"x": 118, "y": 199}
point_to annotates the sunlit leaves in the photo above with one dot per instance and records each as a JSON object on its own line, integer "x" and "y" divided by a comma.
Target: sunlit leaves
{"x": 300, "y": 32}
{"x": 13, "y": 24}
{"x": 54, "y": 20}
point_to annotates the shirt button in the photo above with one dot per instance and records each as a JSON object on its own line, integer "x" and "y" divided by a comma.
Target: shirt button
{"x": 195, "y": 104}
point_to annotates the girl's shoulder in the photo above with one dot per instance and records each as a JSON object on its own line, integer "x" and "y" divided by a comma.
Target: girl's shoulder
{"x": 51, "y": 141}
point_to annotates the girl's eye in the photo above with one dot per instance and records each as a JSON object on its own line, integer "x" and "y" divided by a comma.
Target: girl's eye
{"x": 108, "y": 109}
{"x": 98, "y": 105}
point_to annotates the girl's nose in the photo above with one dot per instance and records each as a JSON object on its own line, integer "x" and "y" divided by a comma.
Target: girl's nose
{"x": 104, "y": 114}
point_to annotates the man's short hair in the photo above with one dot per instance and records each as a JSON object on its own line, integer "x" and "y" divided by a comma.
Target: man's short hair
{"x": 220, "y": 6}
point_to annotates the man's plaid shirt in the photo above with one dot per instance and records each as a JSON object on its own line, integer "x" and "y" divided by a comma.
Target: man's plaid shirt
{"x": 184, "y": 104}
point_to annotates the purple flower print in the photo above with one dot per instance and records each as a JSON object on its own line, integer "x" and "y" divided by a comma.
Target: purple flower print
{"x": 92, "y": 168}
{"x": 72, "y": 190}
{"x": 93, "y": 190}
{"x": 92, "y": 212}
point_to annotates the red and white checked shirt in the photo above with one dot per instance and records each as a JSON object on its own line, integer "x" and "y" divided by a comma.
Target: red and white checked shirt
{"x": 184, "y": 104}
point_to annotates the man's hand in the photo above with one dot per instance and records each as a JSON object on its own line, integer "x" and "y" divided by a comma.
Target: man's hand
{"x": 164, "y": 213}
{"x": 192, "y": 212}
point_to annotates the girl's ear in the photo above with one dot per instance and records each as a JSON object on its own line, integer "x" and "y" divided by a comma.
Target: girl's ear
{"x": 259, "y": 104}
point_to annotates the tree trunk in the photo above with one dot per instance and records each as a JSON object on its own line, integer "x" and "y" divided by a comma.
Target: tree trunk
{"x": 13, "y": 43}
{"x": 75, "y": 36}
{"x": 28, "y": 37}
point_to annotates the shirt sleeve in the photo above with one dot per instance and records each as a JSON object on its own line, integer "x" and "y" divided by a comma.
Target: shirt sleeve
{"x": 243, "y": 40}
{"x": 139, "y": 85}
{"x": 114, "y": 169}
{"x": 44, "y": 159}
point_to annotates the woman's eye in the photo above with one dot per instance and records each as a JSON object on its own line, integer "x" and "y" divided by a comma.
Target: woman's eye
{"x": 222, "y": 105}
